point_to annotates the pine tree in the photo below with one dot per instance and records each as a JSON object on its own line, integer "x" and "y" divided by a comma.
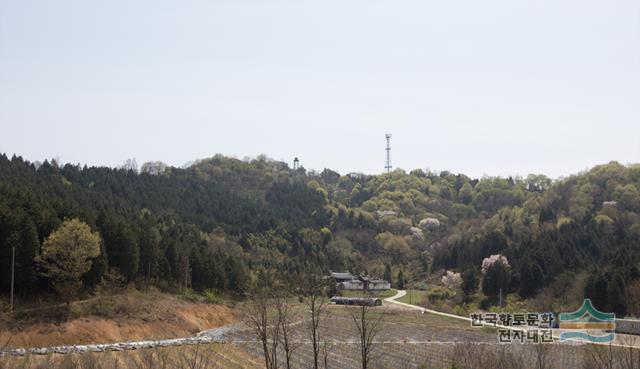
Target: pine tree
{"x": 531, "y": 278}
{"x": 617, "y": 292}
{"x": 469, "y": 282}
{"x": 26, "y": 275}
{"x": 67, "y": 255}
{"x": 400, "y": 280}
{"x": 387, "y": 274}
{"x": 496, "y": 279}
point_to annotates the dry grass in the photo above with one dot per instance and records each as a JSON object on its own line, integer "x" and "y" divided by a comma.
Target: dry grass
{"x": 124, "y": 317}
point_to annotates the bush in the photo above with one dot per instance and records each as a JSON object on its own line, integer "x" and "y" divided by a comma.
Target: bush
{"x": 485, "y": 303}
{"x": 460, "y": 310}
{"x": 422, "y": 286}
{"x": 75, "y": 311}
{"x": 440, "y": 293}
{"x": 212, "y": 297}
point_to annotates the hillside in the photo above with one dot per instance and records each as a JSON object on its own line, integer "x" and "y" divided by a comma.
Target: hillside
{"x": 221, "y": 223}
{"x": 120, "y": 317}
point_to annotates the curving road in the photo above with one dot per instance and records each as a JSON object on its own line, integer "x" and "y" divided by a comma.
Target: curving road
{"x": 401, "y": 293}
{"x": 629, "y": 341}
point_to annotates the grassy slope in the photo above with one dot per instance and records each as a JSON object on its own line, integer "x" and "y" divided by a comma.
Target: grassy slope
{"x": 130, "y": 315}
{"x": 414, "y": 298}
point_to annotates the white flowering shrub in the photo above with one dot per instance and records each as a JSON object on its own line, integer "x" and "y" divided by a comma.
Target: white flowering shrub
{"x": 497, "y": 258}
{"x": 452, "y": 280}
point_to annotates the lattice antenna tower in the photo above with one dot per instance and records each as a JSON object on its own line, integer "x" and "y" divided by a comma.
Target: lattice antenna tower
{"x": 388, "y": 149}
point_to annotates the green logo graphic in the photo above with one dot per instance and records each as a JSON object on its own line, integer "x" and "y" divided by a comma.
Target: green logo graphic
{"x": 588, "y": 324}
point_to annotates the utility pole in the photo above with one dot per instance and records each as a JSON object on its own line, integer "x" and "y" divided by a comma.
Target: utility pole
{"x": 186, "y": 274}
{"x": 500, "y": 299}
{"x": 148, "y": 275}
{"x": 13, "y": 272}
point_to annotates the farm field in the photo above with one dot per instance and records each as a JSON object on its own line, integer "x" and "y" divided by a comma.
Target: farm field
{"x": 406, "y": 339}
{"x": 413, "y": 340}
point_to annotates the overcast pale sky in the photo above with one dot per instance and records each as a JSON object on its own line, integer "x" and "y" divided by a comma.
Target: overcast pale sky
{"x": 480, "y": 87}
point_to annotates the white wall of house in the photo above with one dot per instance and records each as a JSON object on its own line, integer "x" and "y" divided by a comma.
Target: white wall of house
{"x": 353, "y": 285}
{"x": 379, "y": 285}
{"x": 358, "y": 285}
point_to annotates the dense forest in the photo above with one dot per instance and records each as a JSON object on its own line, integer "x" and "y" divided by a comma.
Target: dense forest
{"x": 220, "y": 222}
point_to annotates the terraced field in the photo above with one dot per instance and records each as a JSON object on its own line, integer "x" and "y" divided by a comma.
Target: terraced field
{"x": 406, "y": 340}
{"x": 412, "y": 340}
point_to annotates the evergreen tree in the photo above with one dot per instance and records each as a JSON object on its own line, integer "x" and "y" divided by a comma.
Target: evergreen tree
{"x": 149, "y": 241}
{"x": 596, "y": 289}
{"x": 469, "y": 282}
{"x": 496, "y": 279}
{"x": 617, "y": 295}
{"x": 400, "y": 282}
{"x": 28, "y": 248}
{"x": 99, "y": 268}
{"x": 531, "y": 278}
{"x": 387, "y": 274}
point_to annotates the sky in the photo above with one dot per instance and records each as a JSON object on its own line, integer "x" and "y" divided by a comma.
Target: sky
{"x": 496, "y": 87}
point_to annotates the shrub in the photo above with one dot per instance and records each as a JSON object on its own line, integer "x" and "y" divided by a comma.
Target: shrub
{"x": 440, "y": 293}
{"x": 211, "y": 297}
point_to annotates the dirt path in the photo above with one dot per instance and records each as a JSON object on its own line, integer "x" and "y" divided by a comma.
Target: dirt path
{"x": 204, "y": 337}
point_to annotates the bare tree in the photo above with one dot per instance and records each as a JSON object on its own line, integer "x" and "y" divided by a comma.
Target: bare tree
{"x": 313, "y": 295}
{"x": 259, "y": 318}
{"x": 600, "y": 356}
{"x": 543, "y": 353}
{"x": 367, "y": 323}
{"x": 285, "y": 319}
{"x": 326, "y": 348}
{"x": 629, "y": 356}
{"x": 192, "y": 359}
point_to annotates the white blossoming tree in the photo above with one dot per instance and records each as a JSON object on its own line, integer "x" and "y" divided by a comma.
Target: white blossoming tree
{"x": 452, "y": 280}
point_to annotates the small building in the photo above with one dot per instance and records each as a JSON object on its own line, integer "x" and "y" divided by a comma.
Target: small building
{"x": 359, "y": 282}
{"x": 379, "y": 284}
{"x": 340, "y": 277}
{"x": 354, "y": 284}
{"x": 357, "y": 301}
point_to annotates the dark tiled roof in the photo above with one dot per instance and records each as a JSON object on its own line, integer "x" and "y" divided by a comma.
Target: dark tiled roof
{"x": 345, "y": 275}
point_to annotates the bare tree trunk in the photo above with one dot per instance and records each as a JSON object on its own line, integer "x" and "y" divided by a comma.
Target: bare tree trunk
{"x": 543, "y": 352}
{"x": 13, "y": 272}
{"x": 368, "y": 327}
{"x": 325, "y": 354}
{"x": 630, "y": 356}
{"x": 256, "y": 317}
{"x": 600, "y": 356}
{"x": 313, "y": 297}
{"x": 285, "y": 321}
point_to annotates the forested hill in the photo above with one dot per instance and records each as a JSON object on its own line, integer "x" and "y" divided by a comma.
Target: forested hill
{"x": 221, "y": 221}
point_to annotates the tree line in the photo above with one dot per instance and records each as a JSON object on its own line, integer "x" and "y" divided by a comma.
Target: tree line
{"x": 219, "y": 222}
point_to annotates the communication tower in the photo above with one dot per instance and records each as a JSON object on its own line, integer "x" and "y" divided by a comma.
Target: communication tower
{"x": 388, "y": 149}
